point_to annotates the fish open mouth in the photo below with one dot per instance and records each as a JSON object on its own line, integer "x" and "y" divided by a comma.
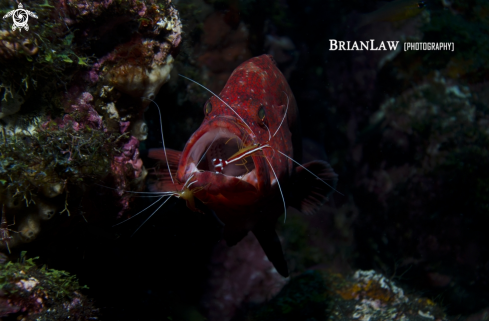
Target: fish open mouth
{"x": 220, "y": 144}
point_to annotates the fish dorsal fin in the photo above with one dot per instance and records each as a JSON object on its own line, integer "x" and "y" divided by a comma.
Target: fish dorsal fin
{"x": 270, "y": 243}
{"x": 161, "y": 180}
{"x": 310, "y": 193}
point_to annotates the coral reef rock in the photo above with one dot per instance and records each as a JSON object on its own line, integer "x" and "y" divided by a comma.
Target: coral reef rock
{"x": 364, "y": 296}
{"x": 73, "y": 92}
{"x": 32, "y": 293}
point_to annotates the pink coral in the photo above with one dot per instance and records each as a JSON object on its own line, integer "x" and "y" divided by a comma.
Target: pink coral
{"x": 91, "y": 117}
{"x": 84, "y": 108}
{"x": 129, "y": 158}
{"x": 82, "y": 115}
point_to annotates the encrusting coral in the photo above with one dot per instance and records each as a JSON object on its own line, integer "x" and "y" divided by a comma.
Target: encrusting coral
{"x": 33, "y": 293}
{"x": 73, "y": 90}
{"x": 13, "y": 44}
{"x": 363, "y": 296}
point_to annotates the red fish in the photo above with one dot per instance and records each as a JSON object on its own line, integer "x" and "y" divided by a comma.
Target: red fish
{"x": 239, "y": 161}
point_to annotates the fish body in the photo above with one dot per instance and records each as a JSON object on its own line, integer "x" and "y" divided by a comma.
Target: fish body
{"x": 255, "y": 108}
{"x": 397, "y": 10}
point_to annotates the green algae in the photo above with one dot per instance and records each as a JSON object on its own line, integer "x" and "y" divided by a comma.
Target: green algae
{"x": 55, "y": 155}
{"x": 57, "y": 283}
{"x": 42, "y": 293}
{"x": 49, "y": 66}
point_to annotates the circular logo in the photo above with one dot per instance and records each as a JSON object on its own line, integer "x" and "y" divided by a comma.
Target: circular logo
{"x": 20, "y": 17}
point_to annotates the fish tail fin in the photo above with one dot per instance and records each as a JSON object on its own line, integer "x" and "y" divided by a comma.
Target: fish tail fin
{"x": 311, "y": 192}
{"x": 270, "y": 243}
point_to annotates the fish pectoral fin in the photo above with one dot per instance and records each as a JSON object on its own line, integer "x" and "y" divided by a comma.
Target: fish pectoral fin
{"x": 270, "y": 243}
{"x": 310, "y": 193}
{"x": 160, "y": 179}
{"x": 173, "y": 156}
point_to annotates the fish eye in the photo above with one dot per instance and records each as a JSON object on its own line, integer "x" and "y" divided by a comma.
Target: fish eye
{"x": 421, "y": 4}
{"x": 261, "y": 113}
{"x": 207, "y": 108}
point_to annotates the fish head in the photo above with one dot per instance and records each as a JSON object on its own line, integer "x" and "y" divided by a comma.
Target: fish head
{"x": 256, "y": 111}
{"x": 255, "y": 108}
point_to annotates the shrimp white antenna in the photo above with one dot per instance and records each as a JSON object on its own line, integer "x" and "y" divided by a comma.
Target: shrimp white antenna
{"x": 269, "y": 134}
{"x": 285, "y": 115}
{"x": 162, "y": 139}
{"x": 188, "y": 179}
{"x": 225, "y": 103}
{"x": 139, "y": 212}
{"x": 151, "y": 215}
{"x": 152, "y": 196}
{"x": 279, "y": 188}
{"x": 334, "y": 189}
{"x": 147, "y": 193}
{"x": 192, "y": 183}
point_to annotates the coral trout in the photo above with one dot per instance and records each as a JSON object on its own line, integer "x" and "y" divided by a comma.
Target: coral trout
{"x": 242, "y": 161}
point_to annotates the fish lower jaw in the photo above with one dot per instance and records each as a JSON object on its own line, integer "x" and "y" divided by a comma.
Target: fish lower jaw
{"x": 192, "y": 170}
{"x": 193, "y": 174}
{"x": 248, "y": 177}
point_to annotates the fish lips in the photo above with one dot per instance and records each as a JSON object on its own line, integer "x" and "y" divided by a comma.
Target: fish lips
{"x": 220, "y": 138}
